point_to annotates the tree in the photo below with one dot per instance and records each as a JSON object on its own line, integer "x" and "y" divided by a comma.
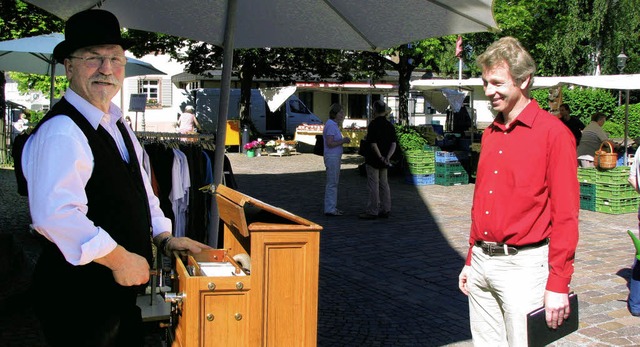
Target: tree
{"x": 283, "y": 65}
{"x": 18, "y": 20}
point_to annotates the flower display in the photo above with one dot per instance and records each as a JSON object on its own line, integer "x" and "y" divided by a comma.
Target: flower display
{"x": 255, "y": 144}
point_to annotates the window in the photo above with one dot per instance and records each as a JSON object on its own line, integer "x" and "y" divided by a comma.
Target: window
{"x": 151, "y": 88}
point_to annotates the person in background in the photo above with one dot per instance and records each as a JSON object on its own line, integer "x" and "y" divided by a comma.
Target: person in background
{"x": 524, "y": 217}
{"x": 187, "y": 123}
{"x": 381, "y": 137}
{"x": 573, "y": 123}
{"x": 633, "y": 300}
{"x": 89, "y": 199}
{"x": 592, "y": 138}
{"x": 20, "y": 125}
{"x": 333, "y": 143}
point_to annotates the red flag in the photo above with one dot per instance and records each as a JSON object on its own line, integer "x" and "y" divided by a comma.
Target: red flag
{"x": 459, "y": 47}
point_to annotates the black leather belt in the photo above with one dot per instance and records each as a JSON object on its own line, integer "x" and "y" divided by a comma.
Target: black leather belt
{"x": 496, "y": 249}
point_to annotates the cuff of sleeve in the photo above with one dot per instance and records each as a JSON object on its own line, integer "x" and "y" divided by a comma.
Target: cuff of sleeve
{"x": 161, "y": 225}
{"x": 468, "y": 260}
{"x": 98, "y": 247}
{"x": 558, "y": 284}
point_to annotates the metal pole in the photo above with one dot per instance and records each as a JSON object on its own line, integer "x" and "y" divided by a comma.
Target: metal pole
{"x": 626, "y": 127}
{"x": 225, "y": 89}
{"x": 52, "y": 83}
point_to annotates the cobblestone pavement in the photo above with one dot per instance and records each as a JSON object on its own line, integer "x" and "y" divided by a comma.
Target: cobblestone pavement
{"x": 386, "y": 282}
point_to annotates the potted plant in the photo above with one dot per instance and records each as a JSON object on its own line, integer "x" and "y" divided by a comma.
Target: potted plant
{"x": 253, "y": 147}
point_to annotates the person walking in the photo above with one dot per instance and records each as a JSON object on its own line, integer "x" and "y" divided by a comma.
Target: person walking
{"x": 524, "y": 228}
{"x": 89, "y": 199}
{"x": 333, "y": 147}
{"x": 633, "y": 299}
{"x": 381, "y": 137}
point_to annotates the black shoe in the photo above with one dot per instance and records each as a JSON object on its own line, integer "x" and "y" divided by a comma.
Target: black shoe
{"x": 367, "y": 216}
{"x": 383, "y": 215}
{"x": 334, "y": 213}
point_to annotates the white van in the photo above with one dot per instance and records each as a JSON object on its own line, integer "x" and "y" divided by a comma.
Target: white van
{"x": 274, "y": 112}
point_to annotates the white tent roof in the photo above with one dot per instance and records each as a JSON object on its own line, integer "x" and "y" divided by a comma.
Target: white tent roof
{"x": 623, "y": 82}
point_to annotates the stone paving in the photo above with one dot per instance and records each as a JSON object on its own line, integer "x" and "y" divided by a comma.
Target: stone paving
{"x": 393, "y": 282}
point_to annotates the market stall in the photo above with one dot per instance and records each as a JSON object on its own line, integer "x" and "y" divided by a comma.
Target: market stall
{"x": 305, "y": 136}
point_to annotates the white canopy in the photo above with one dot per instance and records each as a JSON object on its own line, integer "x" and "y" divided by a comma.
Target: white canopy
{"x": 622, "y": 82}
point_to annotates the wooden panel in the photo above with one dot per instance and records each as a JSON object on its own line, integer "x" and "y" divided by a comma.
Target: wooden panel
{"x": 287, "y": 271}
{"x": 224, "y": 328}
{"x": 278, "y": 301}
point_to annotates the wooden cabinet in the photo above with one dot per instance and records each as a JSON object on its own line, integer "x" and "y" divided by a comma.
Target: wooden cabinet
{"x": 275, "y": 304}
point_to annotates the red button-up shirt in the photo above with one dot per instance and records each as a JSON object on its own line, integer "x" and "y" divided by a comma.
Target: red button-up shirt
{"x": 527, "y": 189}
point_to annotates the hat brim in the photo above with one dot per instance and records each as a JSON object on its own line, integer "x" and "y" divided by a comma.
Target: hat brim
{"x": 65, "y": 48}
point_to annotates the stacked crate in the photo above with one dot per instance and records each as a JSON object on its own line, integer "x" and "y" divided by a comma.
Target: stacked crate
{"x": 421, "y": 166}
{"x": 587, "y": 179}
{"x": 607, "y": 191}
{"x": 449, "y": 170}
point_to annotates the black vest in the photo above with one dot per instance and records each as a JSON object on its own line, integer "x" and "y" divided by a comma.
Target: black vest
{"x": 117, "y": 200}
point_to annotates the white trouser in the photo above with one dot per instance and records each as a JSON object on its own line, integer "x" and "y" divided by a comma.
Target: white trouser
{"x": 502, "y": 290}
{"x": 332, "y": 163}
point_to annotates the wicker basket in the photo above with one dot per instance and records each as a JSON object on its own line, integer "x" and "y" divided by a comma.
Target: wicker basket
{"x": 605, "y": 160}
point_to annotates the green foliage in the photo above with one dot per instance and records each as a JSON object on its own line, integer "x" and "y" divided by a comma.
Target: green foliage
{"x": 584, "y": 102}
{"x": 409, "y": 139}
{"x": 41, "y": 83}
{"x": 614, "y": 130}
{"x": 35, "y": 117}
{"x": 618, "y": 119}
{"x": 542, "y": 97}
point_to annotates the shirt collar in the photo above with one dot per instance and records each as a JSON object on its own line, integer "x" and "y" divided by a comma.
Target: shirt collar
{"x": 526, "y": 117}
{"x": 90, "y": 112}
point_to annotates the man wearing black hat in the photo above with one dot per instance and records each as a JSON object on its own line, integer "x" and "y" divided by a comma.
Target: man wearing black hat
{"x": 90, "y": 198}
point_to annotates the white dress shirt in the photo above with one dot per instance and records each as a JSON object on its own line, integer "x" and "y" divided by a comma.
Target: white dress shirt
{"x": 57, "y": 163}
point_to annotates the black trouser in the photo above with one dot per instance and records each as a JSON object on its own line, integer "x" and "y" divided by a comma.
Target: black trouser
{"x": 83, "y": 306}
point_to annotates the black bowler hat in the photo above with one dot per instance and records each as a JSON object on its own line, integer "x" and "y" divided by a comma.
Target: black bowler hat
{"x": 90, "y": 28}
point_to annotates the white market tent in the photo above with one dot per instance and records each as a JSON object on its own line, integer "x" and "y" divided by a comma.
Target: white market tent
{"x": 615, "y": 82}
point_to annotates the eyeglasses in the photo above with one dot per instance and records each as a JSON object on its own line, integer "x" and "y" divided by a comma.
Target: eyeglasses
{"x": 96, "y": 61}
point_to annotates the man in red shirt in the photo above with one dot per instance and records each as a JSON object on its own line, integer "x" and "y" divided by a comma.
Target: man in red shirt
{"x": 524, "y": 218}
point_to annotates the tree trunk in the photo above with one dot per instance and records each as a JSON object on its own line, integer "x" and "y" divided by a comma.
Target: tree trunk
{"x": 6, "y": 131}
{"x": 246, "y": 79}
{"x": 405, "y": 68}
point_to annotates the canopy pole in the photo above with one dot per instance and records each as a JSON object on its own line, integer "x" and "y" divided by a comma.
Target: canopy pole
{"x": 626, "y": 128}
{"x": 52, "y": 83}
{"x": 225, "y": 89}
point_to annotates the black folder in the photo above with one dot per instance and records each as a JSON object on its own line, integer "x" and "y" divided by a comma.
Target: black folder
{"x": 539, "y": 334}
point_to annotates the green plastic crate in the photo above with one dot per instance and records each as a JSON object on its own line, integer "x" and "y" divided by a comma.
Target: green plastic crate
{"x": 614, "y": 191}
{"x": 421, "y": 168}
{"x": 588, "y": 189}
{"x": 617, "y": 175}
{"x": 617, "y": 206}
{"x": 588, "y": 202}
{"x": 452, "y": 179}
{"x": 420, "y": 157}
{"x": 587, "y": 175}
{"x": 450, "y": 168}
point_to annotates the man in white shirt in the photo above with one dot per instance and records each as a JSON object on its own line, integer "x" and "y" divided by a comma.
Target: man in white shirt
{"x": 89, "y": 199}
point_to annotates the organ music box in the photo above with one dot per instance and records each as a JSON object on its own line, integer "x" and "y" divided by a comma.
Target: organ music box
{"x": 260, "y": 289}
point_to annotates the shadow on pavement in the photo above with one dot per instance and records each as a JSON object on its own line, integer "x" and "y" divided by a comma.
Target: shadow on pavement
{"x": 386, "y": 282}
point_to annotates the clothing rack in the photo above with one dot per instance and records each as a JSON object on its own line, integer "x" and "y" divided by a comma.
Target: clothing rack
{"x": 205, "y": 140}
{"x": 167, "y": 135}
